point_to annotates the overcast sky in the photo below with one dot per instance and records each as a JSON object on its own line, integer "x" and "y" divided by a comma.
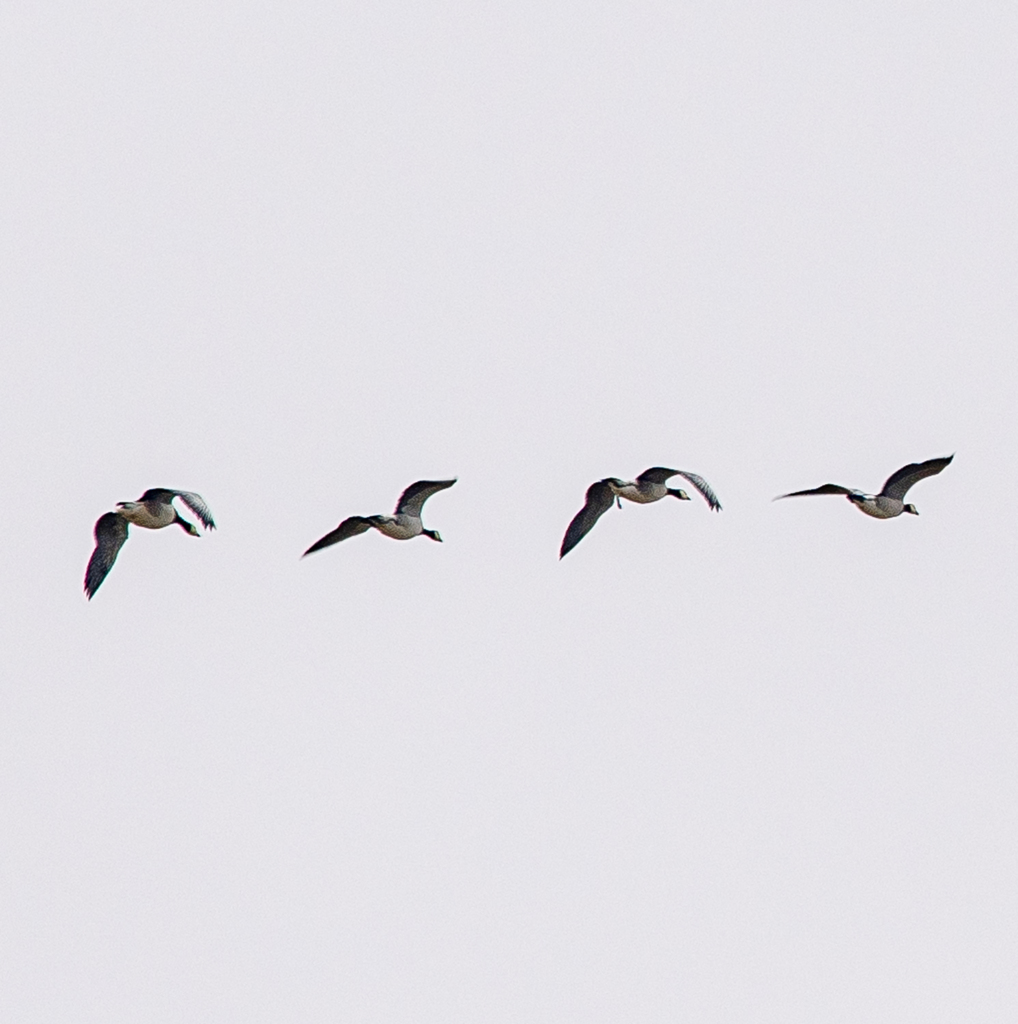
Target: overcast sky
{"x": 752, "y": 767}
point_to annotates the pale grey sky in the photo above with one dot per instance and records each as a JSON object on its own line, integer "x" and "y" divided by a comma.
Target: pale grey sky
{"x": 751, "y": 767}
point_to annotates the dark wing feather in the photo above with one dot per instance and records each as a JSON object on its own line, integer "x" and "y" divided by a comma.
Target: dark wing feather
{"x": 703, "y": 487}
{"x": 110, "y": 534}
{"x": 826, "y": 489}
{"x": 599, "y": 499}
{"x": 898, "y": 483}
{"x": 412, "y": 500}
{"x": 348, "y": 528}
{"x": 656, "y": 475}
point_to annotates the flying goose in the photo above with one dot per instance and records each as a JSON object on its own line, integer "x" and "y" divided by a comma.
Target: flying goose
{"x": 650, "y": 485}
{"x": 153, "y": 510}
{"x": 403, "y": 524}
{"x": 890, "y": 501}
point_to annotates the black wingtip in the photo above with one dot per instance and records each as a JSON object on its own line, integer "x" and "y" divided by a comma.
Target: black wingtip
{"x": 317, "y": 546}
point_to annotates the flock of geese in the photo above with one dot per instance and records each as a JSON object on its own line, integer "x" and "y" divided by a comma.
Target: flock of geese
{"x": 155, "y": 509}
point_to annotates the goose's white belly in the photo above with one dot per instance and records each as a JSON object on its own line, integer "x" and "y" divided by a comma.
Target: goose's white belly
{"x": 632, "y": 493}
{"x": 399, "y": 527}
{"x": 149, "y": 517}
{"x": 880, "y": 507}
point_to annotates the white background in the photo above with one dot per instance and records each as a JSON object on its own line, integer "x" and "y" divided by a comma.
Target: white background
{"x": 750, "y": 767}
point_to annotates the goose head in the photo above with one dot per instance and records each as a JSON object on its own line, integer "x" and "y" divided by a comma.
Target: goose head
{"x": 911, "y": 509}
{"x": 433, "y": 534}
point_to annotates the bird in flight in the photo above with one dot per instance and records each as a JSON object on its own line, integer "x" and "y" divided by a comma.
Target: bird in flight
{"x": 404, "y": 524}
{"x": 650, "y": 485}
{"x": 153, "y": 510}
{"x": 890, "y": 502}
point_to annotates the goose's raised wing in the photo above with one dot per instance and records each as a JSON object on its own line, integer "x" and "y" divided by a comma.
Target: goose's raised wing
{"x": 703, "y": 487}
{"x": 826, "y": 489}
{"x": 350, "y": 527}
{"x": 195, "y": 502}
{"x": 661, "y": 475}
{"x": 599, "y": 499}
{"x": 898, "y": 483}
{"x": 412, "y": 500}
{"x": 110, "y": 534}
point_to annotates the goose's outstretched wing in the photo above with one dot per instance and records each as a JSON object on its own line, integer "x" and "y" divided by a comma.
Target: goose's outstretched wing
{"x": 195, "y": 502}
{"x": 412, "y": 500}
{"x": 350, "y": 527}
{"x": 703, "y": 487}
{"x": 110, "y": 534}
{"x": 661, "y": 475}
{"x": 599, "y": 499}
{"x": 826, "y": 489}
{"x": 898, "y": 483}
